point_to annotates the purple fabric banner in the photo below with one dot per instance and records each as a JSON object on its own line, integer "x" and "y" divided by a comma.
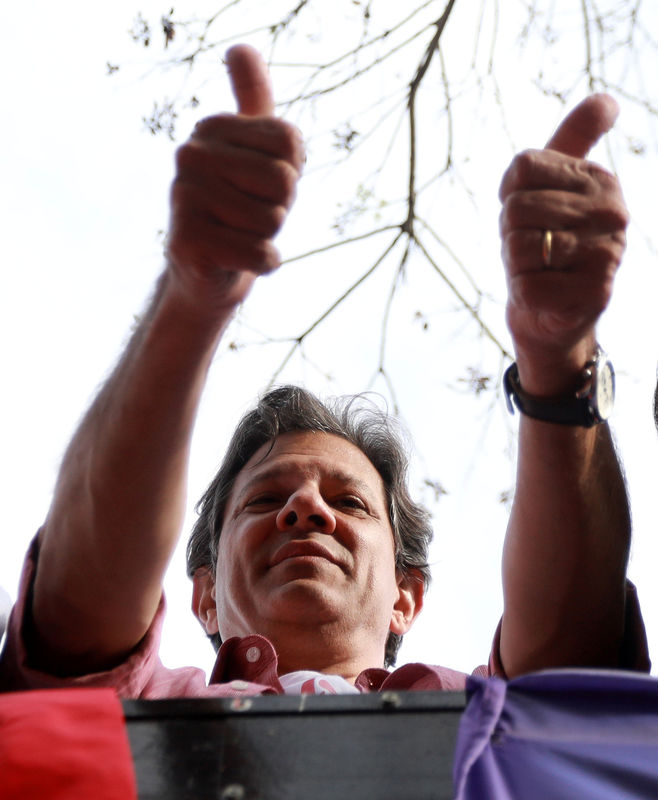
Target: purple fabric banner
{"x": 559, "y": 735}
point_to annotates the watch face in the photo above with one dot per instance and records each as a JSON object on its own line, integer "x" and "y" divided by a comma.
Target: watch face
{"x": 604, "y": 391}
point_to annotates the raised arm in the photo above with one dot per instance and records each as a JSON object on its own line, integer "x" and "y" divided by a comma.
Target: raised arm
{"x": 119, "y": 498}
{"x": 568, "y": 538}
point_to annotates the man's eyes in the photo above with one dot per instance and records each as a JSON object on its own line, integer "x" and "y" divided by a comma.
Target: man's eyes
{"x": 263, "y": 500}
{"x": 351, "y": 502}
{"x": 348, "y": 502}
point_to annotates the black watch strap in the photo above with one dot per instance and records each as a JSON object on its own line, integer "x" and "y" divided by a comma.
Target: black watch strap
{"x": 581, "y": 408}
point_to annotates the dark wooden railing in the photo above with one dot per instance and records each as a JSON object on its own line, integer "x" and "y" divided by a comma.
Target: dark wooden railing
{"x": 367, "y": 747}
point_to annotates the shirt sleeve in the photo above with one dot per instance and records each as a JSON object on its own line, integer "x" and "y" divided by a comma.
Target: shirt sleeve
{"x": 633, "y": 650}
{"x": 128, "y": 678}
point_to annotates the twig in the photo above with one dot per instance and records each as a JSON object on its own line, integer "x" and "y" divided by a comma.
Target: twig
{"x": 468, "y": 306}
{"x": 299, "y": 339}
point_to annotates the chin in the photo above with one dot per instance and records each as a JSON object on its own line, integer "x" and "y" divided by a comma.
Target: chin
{"x": 306, "y": 600}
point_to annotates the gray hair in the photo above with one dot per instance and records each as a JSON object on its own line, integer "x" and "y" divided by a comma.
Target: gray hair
{"x": 288, "y": 409}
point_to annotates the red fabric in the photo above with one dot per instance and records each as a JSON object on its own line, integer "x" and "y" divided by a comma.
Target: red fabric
{"x": 64, "y": 744}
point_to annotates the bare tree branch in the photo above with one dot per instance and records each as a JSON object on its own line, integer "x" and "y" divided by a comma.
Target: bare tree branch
{"x": 396, "y": 149}
{"x": 463, "y": 301}
{"x": 297, "y": 341}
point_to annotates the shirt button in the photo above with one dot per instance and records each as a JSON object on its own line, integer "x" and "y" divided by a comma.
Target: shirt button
{"x": 239, "y": 685}
{"x": 253, "y": 654}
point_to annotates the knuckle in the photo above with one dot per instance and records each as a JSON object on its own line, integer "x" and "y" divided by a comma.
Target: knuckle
{"x": 612, "y": 216}
{"x": 187, "y": 156}
{"x": 504, "y": 223}
{"x": 276, "y": 182}
{"x": 620, "y": 217}
{"x": 609, "y": 252}
{"x": 269, "y": 221}
{"x": 619, "y": 242}
{"x": 290, "y": 143}
{"x": 601, "y": 176}
{"x": 211, "y": 125}
{"x": 606, "y": 185}
{"x": 277, "y": 218}
{"x": 261, "y": 256}
{"x": 180, "y": 194}
{"x": 515, "y": 211}
{"x": 286, "y": 183}
{"x": 523, "y": 165}
{"x": 501, "y": 221}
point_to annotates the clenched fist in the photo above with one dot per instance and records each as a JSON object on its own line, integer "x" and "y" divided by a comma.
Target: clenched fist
{"x": 235, "y": 181}
{"x": 560, "y": 282}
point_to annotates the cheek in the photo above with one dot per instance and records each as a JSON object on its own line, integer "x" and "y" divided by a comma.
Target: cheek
{"x": 238, "y": 549}
{"x": 228, "y": 585}
{"x": 388, "y": 566}
{"x": 226, "y": 556}
{"x": 381, "y": 559}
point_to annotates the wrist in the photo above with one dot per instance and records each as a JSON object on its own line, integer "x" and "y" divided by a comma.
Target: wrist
{"x": 586, "y": 403}
{"x": 550, "y": 372}
{"x": 204, "y": 301}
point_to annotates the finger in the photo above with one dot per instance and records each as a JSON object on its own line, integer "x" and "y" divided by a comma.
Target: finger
{"x": 545, "y": 169}
{"x": 581, "y": 129}
{"x": 525, "y": 251}
{"x": 589, "y": 253}
{"x": 267, "y": 135}
{"x": 250, "y": 81}
{"x": 253, "y": 173}
{"x": 265, "y": 179}
{"x": 227, "y": 206}
{"x": 560, "y": 210}
{"x": 211, "y": 246}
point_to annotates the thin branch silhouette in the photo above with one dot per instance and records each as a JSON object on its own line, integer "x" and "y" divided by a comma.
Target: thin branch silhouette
{"x": 399, "y": 88}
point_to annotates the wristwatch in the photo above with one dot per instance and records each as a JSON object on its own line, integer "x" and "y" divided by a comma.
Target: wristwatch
{"x": 590, "y": 404}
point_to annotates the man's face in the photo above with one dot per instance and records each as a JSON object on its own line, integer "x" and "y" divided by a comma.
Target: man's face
{"x": 306, "y": 540}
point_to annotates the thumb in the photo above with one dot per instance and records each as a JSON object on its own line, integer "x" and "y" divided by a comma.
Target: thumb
{"x": 250, "y": 81}
{"x": 581, "y": 129}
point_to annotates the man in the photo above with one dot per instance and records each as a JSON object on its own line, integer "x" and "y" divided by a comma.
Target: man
{"x": 305, "y": 576}
{"x": 308, "y": 523}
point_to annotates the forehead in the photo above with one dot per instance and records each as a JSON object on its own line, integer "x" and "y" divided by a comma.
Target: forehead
{"x": 311, "y": 454}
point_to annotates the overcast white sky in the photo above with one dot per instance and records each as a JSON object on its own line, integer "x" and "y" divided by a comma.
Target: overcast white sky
{"x": 82, "y": 199}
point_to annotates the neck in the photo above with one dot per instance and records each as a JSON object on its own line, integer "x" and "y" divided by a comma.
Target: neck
{"x": 323, "y": 652}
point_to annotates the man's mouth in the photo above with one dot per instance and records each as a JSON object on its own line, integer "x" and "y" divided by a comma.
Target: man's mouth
{"x": 302, "y": 549}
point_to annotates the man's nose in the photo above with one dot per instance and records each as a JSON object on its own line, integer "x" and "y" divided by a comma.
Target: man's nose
{"x": 306, "y": 509}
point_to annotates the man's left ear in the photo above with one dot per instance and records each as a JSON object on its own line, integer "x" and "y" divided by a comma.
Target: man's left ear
{"x": 203, "y": 600}
{"x": 411, "y": 590}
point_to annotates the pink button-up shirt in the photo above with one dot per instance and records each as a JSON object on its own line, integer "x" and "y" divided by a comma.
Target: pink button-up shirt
{"x": 244, "y": 666}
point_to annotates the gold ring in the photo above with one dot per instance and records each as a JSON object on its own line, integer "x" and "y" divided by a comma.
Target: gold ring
{"x": 547, "y": 248}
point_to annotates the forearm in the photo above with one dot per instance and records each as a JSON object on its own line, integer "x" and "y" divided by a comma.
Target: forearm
{"x": 563, "y": 224}
{"x": 119, "y": 499}
{"x": 566, "y": 550}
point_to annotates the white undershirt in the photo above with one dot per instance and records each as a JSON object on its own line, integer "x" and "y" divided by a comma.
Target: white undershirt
{"x": 306, "y": 681}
